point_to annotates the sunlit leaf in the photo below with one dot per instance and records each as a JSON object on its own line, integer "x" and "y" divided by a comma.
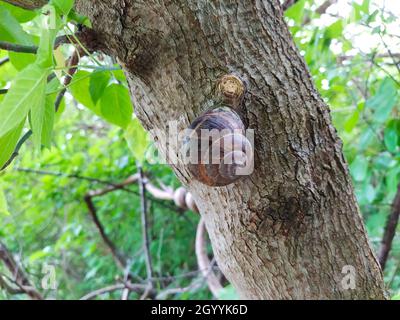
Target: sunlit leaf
{"x": 97, "y": 84}
{"x": 8, "y": 143}
{"x": 116, "y": 106}
{"x": 26, "y": 92}
{"x": 137, "y": 139}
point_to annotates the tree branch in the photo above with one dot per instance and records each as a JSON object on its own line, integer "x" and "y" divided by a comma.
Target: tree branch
{"x": 390, "y": 230}
{"x": 27, "y": 4}
{"x": 18, "y": 47}
{"x": 145, "y": 230}
{"x": 203, "y": 262}
{"x": 20, "y": 278}
{"x": 121, "y": 261}
{"x": 138, "y": 288}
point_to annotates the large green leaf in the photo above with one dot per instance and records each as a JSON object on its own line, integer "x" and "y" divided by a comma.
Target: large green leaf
{"x": 63, "y": 6}
{"x": 47, "y": 38}
{"x": 116, "y": 106}
{"x": 37, "y": 120}
{"x": 11, "y": 31}
{"x": 8, "y": 143}
{"x": 26, "y": 92}
{"x": 80, "y": 90}
{"x": 48, "y": 122}
{"x": 98, "y": 83}
{"x": 21, "y": 15}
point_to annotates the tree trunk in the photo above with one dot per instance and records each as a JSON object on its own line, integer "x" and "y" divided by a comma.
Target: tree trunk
{"x": 289, "y": 230}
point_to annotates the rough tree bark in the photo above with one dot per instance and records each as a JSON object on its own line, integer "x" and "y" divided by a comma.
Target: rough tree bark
{"x": 288, "y": 230}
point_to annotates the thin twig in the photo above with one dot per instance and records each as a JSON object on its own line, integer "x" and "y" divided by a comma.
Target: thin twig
{"x": 119, "y": 286}
{"x": 203, "y": 262}
{"x": 19, "y": 277}
{"x": 119, "y": 259}
{"x": 145, "y": 228}
{"x": 21, "y": 48}
{"x": 73, "y": 61}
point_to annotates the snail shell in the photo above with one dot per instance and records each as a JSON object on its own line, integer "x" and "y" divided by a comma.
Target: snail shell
{"x": 219, "y": 145}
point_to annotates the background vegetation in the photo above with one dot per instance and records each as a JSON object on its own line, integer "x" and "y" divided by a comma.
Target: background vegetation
{"x": 352, "y": 49}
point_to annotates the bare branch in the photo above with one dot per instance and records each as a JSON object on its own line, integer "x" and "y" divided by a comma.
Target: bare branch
{"x": 121, "y": 262}
{"x": 390, "y": 230}
{"x": 145, "y": 228}
{"x": 18, "y": 47}
{"x": 19, "y": 277}
{"x": 203, "y": 262}
{"x": 73, "y": 61}
{"x": 138, "y": 288}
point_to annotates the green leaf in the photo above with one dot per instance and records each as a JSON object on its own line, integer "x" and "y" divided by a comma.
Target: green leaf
{"x": 80, "y": 90}
{"x": 48, "y": 36}
{"x": 11, "y": 31}
{"x": 3, "y": 202}
{"x": 352, "y": 121}
{"x": 97, "y": 84}
{"x": 80, "y": 19}
{"x": 384, "y": 100}
{"x": 137, "y": 139}
{"x": 38, "y": 116}
{"x": 18, "y": 13}
{"x": 296, "y": 11}
{"x": 391, "y": 136}
{"x": 116, "y": 106}
{"x": 21, "y": 60}
{"x": 8, "y": 143}
{"x": 359, "y": 168}
{"x": 48, "y": 122}
{"x": 335, "y": 30}
{"x": 26, "y": 92}
{"x": 63, "y": 6}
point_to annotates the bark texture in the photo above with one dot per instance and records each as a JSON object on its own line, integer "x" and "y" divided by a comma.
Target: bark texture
{"x": 286, "y": 231}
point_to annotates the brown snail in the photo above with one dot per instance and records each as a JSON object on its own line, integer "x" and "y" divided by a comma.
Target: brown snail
{"x": 218, "y": 149}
